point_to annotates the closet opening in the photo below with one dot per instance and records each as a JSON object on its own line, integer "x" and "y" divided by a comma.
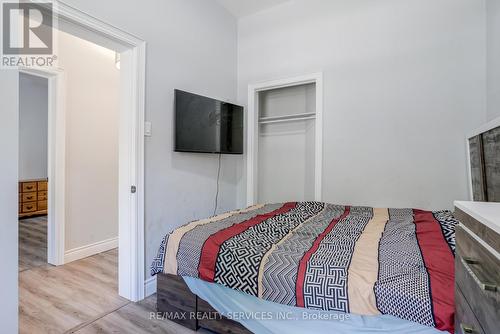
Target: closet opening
{"x": 285, "y": 140}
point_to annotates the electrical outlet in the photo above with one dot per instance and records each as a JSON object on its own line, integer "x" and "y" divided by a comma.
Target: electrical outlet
{"x": 147, "y": 129}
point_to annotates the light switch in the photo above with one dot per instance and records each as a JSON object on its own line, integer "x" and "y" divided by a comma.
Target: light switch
{"x": 147, "y": 129}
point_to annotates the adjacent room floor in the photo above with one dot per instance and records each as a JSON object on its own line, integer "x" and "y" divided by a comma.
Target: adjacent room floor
{"x": 78, "y": 297}
{"x": 32, "y": 243}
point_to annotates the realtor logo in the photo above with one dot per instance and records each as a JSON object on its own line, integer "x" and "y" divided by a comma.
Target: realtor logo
{"x": 27, "y": 34}
{"x": 27, "y": 28}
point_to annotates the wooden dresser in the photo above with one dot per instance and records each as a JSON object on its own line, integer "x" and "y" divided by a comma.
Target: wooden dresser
{"x": 33, "y": 197}
{"x": 477, "y": 268}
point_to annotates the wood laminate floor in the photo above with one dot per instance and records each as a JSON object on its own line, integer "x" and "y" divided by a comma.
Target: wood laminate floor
{"x": 32, "y": 243}
{"x": 78, "y": 297}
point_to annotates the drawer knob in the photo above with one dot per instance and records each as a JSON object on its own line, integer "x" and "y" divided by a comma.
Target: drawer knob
{"x": 466, "y": 329}
{"x": 488, "y": 286}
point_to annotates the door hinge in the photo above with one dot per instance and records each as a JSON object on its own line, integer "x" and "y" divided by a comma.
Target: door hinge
{"x": 133, "y": 189}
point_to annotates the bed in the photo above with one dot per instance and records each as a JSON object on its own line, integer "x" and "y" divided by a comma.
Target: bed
{"x": 387, "y": 269}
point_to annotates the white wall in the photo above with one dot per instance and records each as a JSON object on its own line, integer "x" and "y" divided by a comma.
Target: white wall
{"x": 92, "y": 121}
{"x": 404, "y": 81}
{"x": 493, "y": 56}
{"x": 9, "y": 124}
{"x": 8, "y": 200}
{"x": 33, "y": 123}
{"x": 191, "y": 45}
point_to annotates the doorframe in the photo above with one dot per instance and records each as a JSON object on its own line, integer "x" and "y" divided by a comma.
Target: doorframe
{"x": 56, "y": 158}
{"x": 253, "y": 129}
{"x": 131, "y": 268}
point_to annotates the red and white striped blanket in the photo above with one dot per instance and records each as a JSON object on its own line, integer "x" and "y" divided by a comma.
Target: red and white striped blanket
{"x": 323, "y": 256}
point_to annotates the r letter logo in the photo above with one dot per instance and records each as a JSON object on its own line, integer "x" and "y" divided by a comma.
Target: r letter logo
{"x": 27, "y": 29}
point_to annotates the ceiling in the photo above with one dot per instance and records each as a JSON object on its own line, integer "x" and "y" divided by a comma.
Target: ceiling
{"x": 240, "y": 8}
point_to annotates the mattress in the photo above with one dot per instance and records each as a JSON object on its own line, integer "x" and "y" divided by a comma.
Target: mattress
{"x": 320, "y": 256}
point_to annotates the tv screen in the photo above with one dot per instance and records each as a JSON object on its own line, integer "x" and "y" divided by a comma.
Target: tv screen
{"x": 205, "y": 125}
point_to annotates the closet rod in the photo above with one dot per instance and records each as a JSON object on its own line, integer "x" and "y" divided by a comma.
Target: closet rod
{"x": 287, "y": 120}
{"x": 275, "y": 118}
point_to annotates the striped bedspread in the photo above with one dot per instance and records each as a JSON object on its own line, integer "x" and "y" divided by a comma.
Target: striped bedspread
{"x": 323, "y": 256}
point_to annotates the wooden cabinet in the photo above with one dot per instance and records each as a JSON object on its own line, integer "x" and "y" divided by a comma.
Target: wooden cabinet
{"x": 33, "y": 197}
{"x": 484, "y": 152}
{"x": 477, "y": 267}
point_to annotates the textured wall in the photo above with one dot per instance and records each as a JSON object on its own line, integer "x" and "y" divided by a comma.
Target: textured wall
{"x": 404, "y": 81}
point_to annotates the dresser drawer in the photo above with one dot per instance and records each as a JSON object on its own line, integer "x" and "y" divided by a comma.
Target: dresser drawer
{"x": 483, "y": 232}
{"x": 42, "y": 195}
{"x": 42, "y": 205}
{"x": 29, "y": 197}
{"x": 42, "y": 185}
{"x": 29, "y": 207}
{"x": 479, "y": 258}
{"x": 28, "y": 187}
{"x": 478, "y": 277}
{"x": 465, "y": 320}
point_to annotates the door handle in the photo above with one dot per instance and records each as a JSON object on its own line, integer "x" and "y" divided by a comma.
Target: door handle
{"x": 484, "y": 285}
{"x": 466, "y": 329}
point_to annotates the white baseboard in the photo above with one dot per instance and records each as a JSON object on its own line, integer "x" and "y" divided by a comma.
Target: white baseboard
{"x": 150, "y": 286}
{"x": 89, "y": 250}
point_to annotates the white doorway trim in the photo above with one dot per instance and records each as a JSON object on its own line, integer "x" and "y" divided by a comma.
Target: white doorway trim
{"x": 131, "y": 269}
{"x": 56, "y": 149}
{"x": 253, "y": 129}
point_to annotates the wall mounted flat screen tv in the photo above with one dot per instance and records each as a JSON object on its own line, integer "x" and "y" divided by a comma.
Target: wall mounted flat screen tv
{"x": 205, "y": 125}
